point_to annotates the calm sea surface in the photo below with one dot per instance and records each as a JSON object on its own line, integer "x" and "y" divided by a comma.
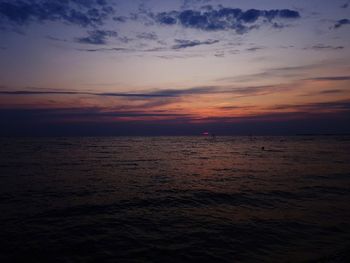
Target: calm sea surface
{"x": 175, "y": 199}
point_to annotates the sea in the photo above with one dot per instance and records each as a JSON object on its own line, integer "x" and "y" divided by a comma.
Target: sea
{"x": 175, "y": 199}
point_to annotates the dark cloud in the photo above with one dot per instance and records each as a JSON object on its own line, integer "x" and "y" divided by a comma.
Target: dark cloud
{"x": 121, "y": 19}
{"x": 223, "y": 18}
{"x": 167, "y": 18}
{"x": 151, "y": 94}
{"x": 325, "y": 47}
{"x": 346, "y": 5}
{"x": 25, "y": 92}
{"x": 335, "y": 106}
{"x": 164, "y": 93}
{"x": 77, "y": 12}
{"x": 185, "y": 56}
{"x": 208, "y": 90}
{"x": 235, "y": 107}
{"x": 123, "y": 49}
{"x": 279, "y": 25}
{"x": 80, "y": 114}
{"x": 116, "y": 49}
{"x": 102, "y": 122}
{"x": 331, "y": 78}
{"x": 97, "y": 37}
{"x": 143, "y": 95}
{"x": 342, "y": 22}
{"x": 253, "y": 49}
{"x": 182, "y": 43}
{"x": 124, "y": 39}
{"x": 189, "y": 91}
{"x": 302, "y": 121}
{"x": 324, "y": 92}
{"x": 332, "y": 91}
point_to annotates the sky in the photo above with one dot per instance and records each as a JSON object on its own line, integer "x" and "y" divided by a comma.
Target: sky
{"x": 174, "y": 67}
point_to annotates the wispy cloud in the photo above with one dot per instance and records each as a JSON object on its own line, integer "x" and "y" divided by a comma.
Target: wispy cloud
{"x": 286, "y": 72}
{"x": 147, "y": 36}
{"x": 56, "y": 39}
{"x": 182, "y": 43}
{"x": 97, "y": 37}
{"x": 342, "y": 22}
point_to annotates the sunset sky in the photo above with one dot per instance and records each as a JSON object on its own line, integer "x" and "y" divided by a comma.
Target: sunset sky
{"x": 167, "y": 67}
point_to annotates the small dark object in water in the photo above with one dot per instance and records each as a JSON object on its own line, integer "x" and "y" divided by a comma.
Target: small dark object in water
{"x": 263, "y": 148}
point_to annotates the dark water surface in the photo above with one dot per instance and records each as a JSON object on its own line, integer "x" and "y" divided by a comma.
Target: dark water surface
{"x": 175, "y": 199}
